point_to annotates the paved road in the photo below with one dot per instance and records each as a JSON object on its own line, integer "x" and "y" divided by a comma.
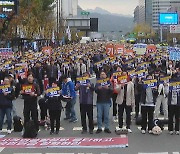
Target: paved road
{"x": 138, "y": 143}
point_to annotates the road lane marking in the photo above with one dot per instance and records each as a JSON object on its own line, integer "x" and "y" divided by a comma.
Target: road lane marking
{"x": 155, "y": 153}
{"x": 175, "y": 152}
{"x": 1, "y": 149}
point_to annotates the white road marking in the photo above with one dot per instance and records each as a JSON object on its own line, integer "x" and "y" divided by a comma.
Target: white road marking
{"x": 59, "y": 153}
{"x": 176, "y": 153}
{"x": 1, "y": 149}
{"x": 27, "y": 153}
{"x": 155, "y": 153}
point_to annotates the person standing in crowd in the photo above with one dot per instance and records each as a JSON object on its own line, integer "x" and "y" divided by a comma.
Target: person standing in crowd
{"x": 39, "y": 75}
{"x": 54, "y": 105}
{"x": 148, "y": 97}
{"x": 137, "y": 91}
{"x": 17, "y": 89}
{"x": 81, "y": 67}
{"x": 104, "y": 93}
{"x": 162, "y": 98}
{"x": 115, "y": 93}
{"x": 6, "y": 98}
{"x": 30, "y": 100}
{"x": 174, "y": 107}
{"x": 125, "y": 100}
{"x": 86, "y": 103}
{"x": 68, "y": 92}
{"x": 52, "y": 72}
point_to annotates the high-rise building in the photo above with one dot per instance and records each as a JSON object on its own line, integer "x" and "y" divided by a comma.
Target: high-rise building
{"x": 136, "y": 15}
{"x": 143, "y": 12}
{"x": 161, "y": 6}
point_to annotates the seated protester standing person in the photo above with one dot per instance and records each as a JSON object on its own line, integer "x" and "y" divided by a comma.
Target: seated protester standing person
{"x": 174, "y": 106}
{"x": 104, "y": 91}
{"x": 148, "y": 98}
{"x": 125, "y": 100}
{"x": 86, "y": 90}
{"x": 6, "y": 96}
{"x": 69, "y": 93}
{"x": 54, "y": 105}
{"x": 30, "y": 91}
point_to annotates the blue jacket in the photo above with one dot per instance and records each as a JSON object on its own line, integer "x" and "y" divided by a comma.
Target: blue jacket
{"x": 68, "y": 89}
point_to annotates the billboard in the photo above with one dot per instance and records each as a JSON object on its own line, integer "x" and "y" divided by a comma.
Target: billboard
{"x": 168, "y": 18}
{"x": 8, "y": 8}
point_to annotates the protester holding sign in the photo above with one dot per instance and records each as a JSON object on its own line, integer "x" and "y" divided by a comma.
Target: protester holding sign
{"x": 54, "y": 105}
{"x": 104, "y": 91}
{"x": 6, "y": 97}
{"x": 86, "y": 90}
{"x": 174, "y": 104}
{"x": 125, "y": 100}
{"x": 148, "y": 97}
{"x": 30, "y": 91}
{"x": 69, "y": 94}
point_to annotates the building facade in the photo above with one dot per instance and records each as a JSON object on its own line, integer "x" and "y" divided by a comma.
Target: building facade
{"x": 161, "y": 6}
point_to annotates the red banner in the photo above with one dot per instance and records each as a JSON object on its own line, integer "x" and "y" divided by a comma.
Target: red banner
{"x": 119, "y": 49}
{"x": 47, "y": 50}
{"x": 129, "y": 52}
{"x": 110, "y": 50}
{"x": 151, "y": 48}
{"x": 121, "y": 141}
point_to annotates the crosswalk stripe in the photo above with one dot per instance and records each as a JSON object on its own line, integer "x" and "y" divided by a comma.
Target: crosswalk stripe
{"x": 155, "y": 153}
{"x": 176, "y": 153}
{"x": 1, "y": 149}
{"x": 5, "y": 130}
{"x": 60, "y": 153}
{"x": 27, "y": 153}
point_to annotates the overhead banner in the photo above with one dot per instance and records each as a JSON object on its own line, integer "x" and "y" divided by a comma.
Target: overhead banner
{"x": 140, "y": 49}
{"x": 110, "y": 50}
{"x": 61, "y": 142}
{"x": 118, "y": 49}
{"x": 174, "y": 54}
{"x": 6, "y": 53}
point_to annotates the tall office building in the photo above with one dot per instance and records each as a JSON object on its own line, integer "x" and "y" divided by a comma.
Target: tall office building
{"x": 161, "y": 6}
{"x": 143, "y": 12}
{"x": 136, "y": 15}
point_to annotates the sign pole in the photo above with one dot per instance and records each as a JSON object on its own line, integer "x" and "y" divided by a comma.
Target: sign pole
{"x": 161, "y": 39}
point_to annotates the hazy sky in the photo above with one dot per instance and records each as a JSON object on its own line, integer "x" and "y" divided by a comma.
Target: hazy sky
{"x": 115, "y": 6}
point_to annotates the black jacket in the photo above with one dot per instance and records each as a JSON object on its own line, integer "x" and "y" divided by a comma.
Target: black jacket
{"x": 6, "y": 101}
{"x": 54, "y": 103}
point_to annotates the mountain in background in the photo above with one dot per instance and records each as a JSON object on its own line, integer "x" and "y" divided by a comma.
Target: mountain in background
{"x": 109, "y": 22}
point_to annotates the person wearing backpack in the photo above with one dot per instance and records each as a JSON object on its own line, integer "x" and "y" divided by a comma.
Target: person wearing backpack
{"x": 54, "y": 105}
{"x": 6, "y": 97}
{"x": 30, "y": 100}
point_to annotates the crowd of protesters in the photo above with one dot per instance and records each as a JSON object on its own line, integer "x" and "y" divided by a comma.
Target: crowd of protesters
{"x": 61, "y": 70}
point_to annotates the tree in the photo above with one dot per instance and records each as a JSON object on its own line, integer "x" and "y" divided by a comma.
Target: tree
{"x": 35, "y": 20}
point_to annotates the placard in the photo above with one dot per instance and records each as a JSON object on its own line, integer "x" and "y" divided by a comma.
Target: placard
{"x": 174, "y": 86}
{"x": 5, "y": 89}
{"x": 51, "y": 92}
{"x": 150, "y": 83}
{"x": 104, "y": 82}
{"x": 83, "y": 80}
{"x": 28, "y": 89}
